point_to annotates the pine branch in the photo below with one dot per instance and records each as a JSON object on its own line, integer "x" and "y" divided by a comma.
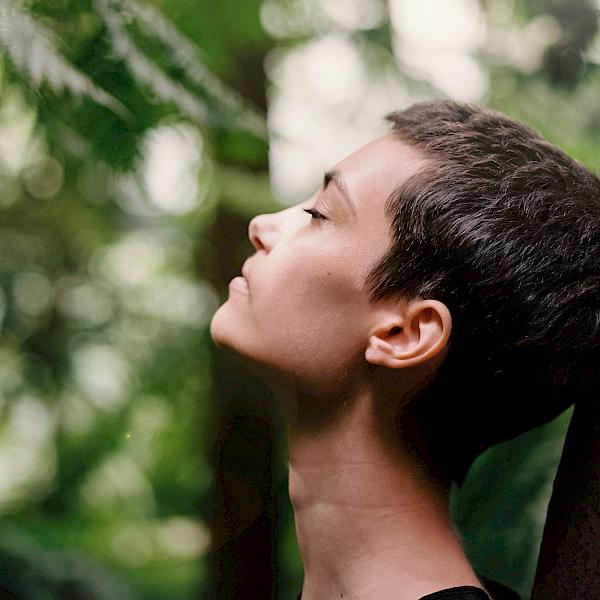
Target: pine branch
{"x": 183, "y": 54}
{"x": 142, "y": 69}
{"x": 186, "y": 56}
{"x": 34, "y": 50}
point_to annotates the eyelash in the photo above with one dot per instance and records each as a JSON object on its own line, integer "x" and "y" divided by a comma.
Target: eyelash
{"x": 315, "y": 214}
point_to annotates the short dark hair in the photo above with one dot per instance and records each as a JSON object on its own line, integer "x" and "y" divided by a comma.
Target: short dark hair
{"x": 503, "y": 228}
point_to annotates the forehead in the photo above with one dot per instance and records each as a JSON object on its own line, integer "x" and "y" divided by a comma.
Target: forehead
{"x": 375, "y": 170}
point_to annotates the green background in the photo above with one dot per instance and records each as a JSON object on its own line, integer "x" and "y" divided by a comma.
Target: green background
{"x": 108, "y": 400}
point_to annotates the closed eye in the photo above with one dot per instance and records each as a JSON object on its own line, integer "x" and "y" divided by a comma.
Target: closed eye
{"x": 315, "y": 214}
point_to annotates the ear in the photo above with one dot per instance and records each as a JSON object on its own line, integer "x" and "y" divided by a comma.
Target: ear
{"x": 410, "y": 336}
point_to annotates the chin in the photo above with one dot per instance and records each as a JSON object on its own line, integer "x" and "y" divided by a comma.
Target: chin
{"x": 219, "y": 326}
{"x": 225, "y": 331}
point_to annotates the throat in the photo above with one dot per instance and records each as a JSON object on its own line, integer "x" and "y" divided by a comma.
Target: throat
{"x": 369, "y": 528}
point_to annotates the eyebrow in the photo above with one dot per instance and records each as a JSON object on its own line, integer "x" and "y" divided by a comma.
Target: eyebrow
{"x": 334, "y": 176}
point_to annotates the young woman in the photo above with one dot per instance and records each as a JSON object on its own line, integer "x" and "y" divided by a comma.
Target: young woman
{"x": 438, "y": 294}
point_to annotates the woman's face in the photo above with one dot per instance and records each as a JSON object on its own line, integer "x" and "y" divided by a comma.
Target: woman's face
{"x": 305, "y": 317}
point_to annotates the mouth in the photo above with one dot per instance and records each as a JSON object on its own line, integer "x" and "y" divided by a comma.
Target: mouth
{"x": 245, "y": 270}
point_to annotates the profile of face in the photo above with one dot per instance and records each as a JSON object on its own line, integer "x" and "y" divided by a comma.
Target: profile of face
{"x": 304, "y": 316}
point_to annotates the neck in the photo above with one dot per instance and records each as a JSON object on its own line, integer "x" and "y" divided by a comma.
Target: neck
{"x": 371, "y": 522}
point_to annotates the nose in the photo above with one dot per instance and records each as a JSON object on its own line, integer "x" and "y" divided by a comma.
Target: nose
{"x": 261, "y": 232}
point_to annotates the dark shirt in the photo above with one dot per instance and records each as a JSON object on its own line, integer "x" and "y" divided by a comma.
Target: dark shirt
{"x": 496, "y": 590}
{"x": 463, "y": 592}
{"x": 468, "y": 592}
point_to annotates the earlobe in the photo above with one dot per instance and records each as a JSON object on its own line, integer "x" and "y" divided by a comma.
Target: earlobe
{"x": 417, "y": 335}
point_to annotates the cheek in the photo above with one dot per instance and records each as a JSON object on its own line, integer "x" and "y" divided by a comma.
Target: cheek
{"x": 314, "y": 298}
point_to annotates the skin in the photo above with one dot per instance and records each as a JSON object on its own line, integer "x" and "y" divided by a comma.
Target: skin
{"x": 372, "y": 521}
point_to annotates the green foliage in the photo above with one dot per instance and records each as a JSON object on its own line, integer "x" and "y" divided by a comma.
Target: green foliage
{"x": 108, "y": 281}
{"x": 510, "y": 484}
{"x": 103, "y": 350}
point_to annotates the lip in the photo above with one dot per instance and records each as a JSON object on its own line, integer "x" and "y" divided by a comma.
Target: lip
{"x": 245, "y": 270}
{"x": 239, "y": 284}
